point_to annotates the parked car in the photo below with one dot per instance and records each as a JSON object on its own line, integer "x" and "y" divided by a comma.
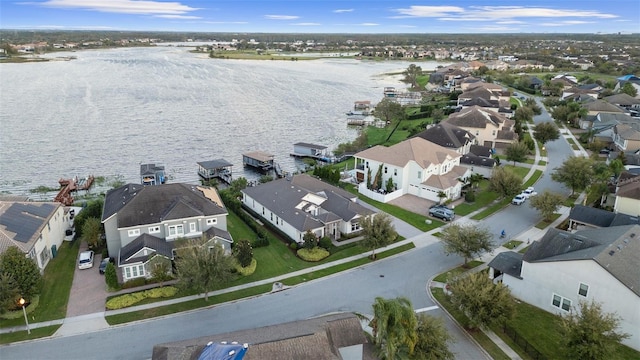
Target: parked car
{"x": 85, "y": 260}
{"x": 442, "y": 213}
{"x": 103, "y": 265}
{"x": 518, "y": 199}
{"x": 439, "y": 206}
{"x": 529, "y": 192}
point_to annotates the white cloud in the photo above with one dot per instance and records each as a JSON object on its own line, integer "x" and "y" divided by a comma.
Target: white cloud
{"x": 307, "y": 24}
{"x": 429, "y": 11}
{"x": 339, "y": 11}
{"x": 143, "y": 7}
{"x": 281, "y": 17}
{"x": 509, "y": 22}
{"x": 369, "y": 24}
{"x": 184, "y": 17}
{"x": 506, "y": 14}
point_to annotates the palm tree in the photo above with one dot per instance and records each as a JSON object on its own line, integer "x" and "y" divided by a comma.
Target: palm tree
{"x": 394, "y": 327}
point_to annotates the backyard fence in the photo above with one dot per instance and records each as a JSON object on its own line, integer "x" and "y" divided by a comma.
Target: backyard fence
{"x": 523, "y": 343}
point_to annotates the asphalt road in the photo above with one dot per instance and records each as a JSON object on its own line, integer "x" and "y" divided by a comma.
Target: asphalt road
{"x": 354, "y": 291}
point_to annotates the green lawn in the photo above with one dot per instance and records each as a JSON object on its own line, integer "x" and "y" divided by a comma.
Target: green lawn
{"x": 512, "y": 244}
{"x": 533, "y": 179}
{"x": 23, "y": 335}
{"x": 542, "y": 330}
{"x": 518, "y": 170}
{"x": 58, "y": 277}
{"x": 492, "y": 209}
{"x": 484, "y": 197}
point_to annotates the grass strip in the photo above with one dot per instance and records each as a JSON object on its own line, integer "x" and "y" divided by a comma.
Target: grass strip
{"x": 244, "y": 293}
{"x": 512, "y": 244}
{"x": 544, "y": 223}
{"x": 24, "y": 336}
{"x": 491, "y": 209}
{"x": 445, "y": 276}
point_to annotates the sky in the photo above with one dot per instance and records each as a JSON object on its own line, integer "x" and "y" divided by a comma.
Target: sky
{"x": 326, "y": 16}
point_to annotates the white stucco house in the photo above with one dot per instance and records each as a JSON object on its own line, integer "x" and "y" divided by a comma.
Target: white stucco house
{"x": 142, "y": 223}
{"x": 36, "y": 228}
{"x": 490, "y": 128}
{"x": 301, "y": 203}
{"x": 627, "y": 197}
{"x": 562, "y": 269}
{"x": 414, "y": 166}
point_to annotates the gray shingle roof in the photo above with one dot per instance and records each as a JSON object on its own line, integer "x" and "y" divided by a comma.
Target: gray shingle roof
{"x": 476, "y": 117}
{"x": 139, "y": 205}
{"x": 591, "y": 216}
{"x": 215, "y": 164}
{"x": 446, "y": 135}
{"x": 616, "y": 249}
{"x": 508, "y": 262}
{"x": 283, "y": 197}
{"x": 472, "y": 159}
{"x": 159, "y": 246}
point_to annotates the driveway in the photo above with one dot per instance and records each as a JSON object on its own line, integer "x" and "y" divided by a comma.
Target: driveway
{"x": 88, "y": 290}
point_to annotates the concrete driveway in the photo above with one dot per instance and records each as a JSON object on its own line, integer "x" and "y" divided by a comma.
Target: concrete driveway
{"x": 88, "y": 290}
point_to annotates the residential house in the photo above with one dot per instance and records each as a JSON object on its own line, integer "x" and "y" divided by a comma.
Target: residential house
{"x": 301, "y": 203}
{"x": 627, "y": 136}
{"x": 574, "y": 93}
{"x": 486, "y": 92}
{"x": 142, "y": 223}
{"x": 449, "y": 136}
{"x": 415, "y": 166}
{"x": 600, "y": 106}
{"x": 567, "y": 81}
{"x": 563, "y": 269}
{"x": 476, "y": 158}
{"x": 628, "y": 197}
{"x": 337, "y": 336}
{"x": 36, "y": 228}
{"x": 585, "y": 217}
{"x": 489, "y": 127}
{"x": 624, "y": 101}
{"x": 632, "y": 79}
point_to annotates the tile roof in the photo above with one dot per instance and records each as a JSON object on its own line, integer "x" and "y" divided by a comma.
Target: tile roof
{"x": 616, "y": 249}
{"x": 423, "y": 152}
{"x": 630, "y": 189}
{"x": 139, "y": 205}
{"x": 622, "y": 99}
{"x": 602, "y": 106}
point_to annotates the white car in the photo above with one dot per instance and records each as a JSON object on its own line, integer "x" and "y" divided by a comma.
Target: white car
{"x": 529, "y": 192}
{"x": 518, "y": 200}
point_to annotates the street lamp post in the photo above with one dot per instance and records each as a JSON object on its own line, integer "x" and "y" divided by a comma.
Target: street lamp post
{"x": 24, "y": 311}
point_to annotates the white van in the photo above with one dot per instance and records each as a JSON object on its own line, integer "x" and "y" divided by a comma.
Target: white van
{"x": 85, "y": 261}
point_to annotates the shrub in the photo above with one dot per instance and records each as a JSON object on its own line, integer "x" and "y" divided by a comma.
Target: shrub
{"x": 243, "y": 252}
{"x": 127, "y": 300}
{"x": 134, "y": 283}
{"x": 470, "y": 196}
{"x": 110, "y": 276}
{"x": 15, "y": 314}
{"x": 293, "y": 245}
{"x": 315, "y": 254}
{"x": 247, "y": 270}
{"x": 325, "y": 242}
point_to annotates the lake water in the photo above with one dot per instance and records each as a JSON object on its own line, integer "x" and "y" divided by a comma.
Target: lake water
{"x": 110, "y": 110}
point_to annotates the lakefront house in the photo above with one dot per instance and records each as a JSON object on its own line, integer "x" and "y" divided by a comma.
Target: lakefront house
{"x": 143, "y": 223}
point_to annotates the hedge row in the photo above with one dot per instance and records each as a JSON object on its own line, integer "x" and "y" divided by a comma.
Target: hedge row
{"x": 315, "y": 254}
{"x": 35, "y": 300}
{"x": 127, "y": 300}
{"x": 235, "y": 205}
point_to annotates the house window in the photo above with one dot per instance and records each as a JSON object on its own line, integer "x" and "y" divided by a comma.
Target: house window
{"x": 134, "y": 232}
{"x": 263, "y": 210}
{"x": 154, "y": 229}
{"x": 44, "y": 255}
{"x": 584, "y": 289}
{"x": 419, "y": 174}
{"x": 135, "y": 271}
{"x": 271, "y": 216}
{"x": 175, "y": 230}
{"x": 561, "y": 302}
{"x": 395, "y": 172}
{"x": 385, "y": 169}
{"x": 355, "y": 226}
{"x": 192, "y": 227}
{"x": 367, "y": 164}
{"x": 212, "y": 221}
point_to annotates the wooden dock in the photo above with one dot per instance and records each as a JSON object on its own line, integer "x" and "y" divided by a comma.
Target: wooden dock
{"x": 69, "y": 186}
{"x": 312, "y": 151}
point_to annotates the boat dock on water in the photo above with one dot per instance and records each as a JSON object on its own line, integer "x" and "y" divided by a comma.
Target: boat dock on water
{"x": 312, "y": 151}
{"x": 263, "y": 162}
{"x": 152, "y": 174}
{"x": 216, "y": 169}
{"x": 69, "y": 186}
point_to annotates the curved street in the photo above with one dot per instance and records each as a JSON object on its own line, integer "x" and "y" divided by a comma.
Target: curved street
{"x": 406, "y": 274}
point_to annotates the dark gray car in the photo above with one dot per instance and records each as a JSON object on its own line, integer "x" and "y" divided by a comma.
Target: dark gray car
{"x": 442, "y": 213}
